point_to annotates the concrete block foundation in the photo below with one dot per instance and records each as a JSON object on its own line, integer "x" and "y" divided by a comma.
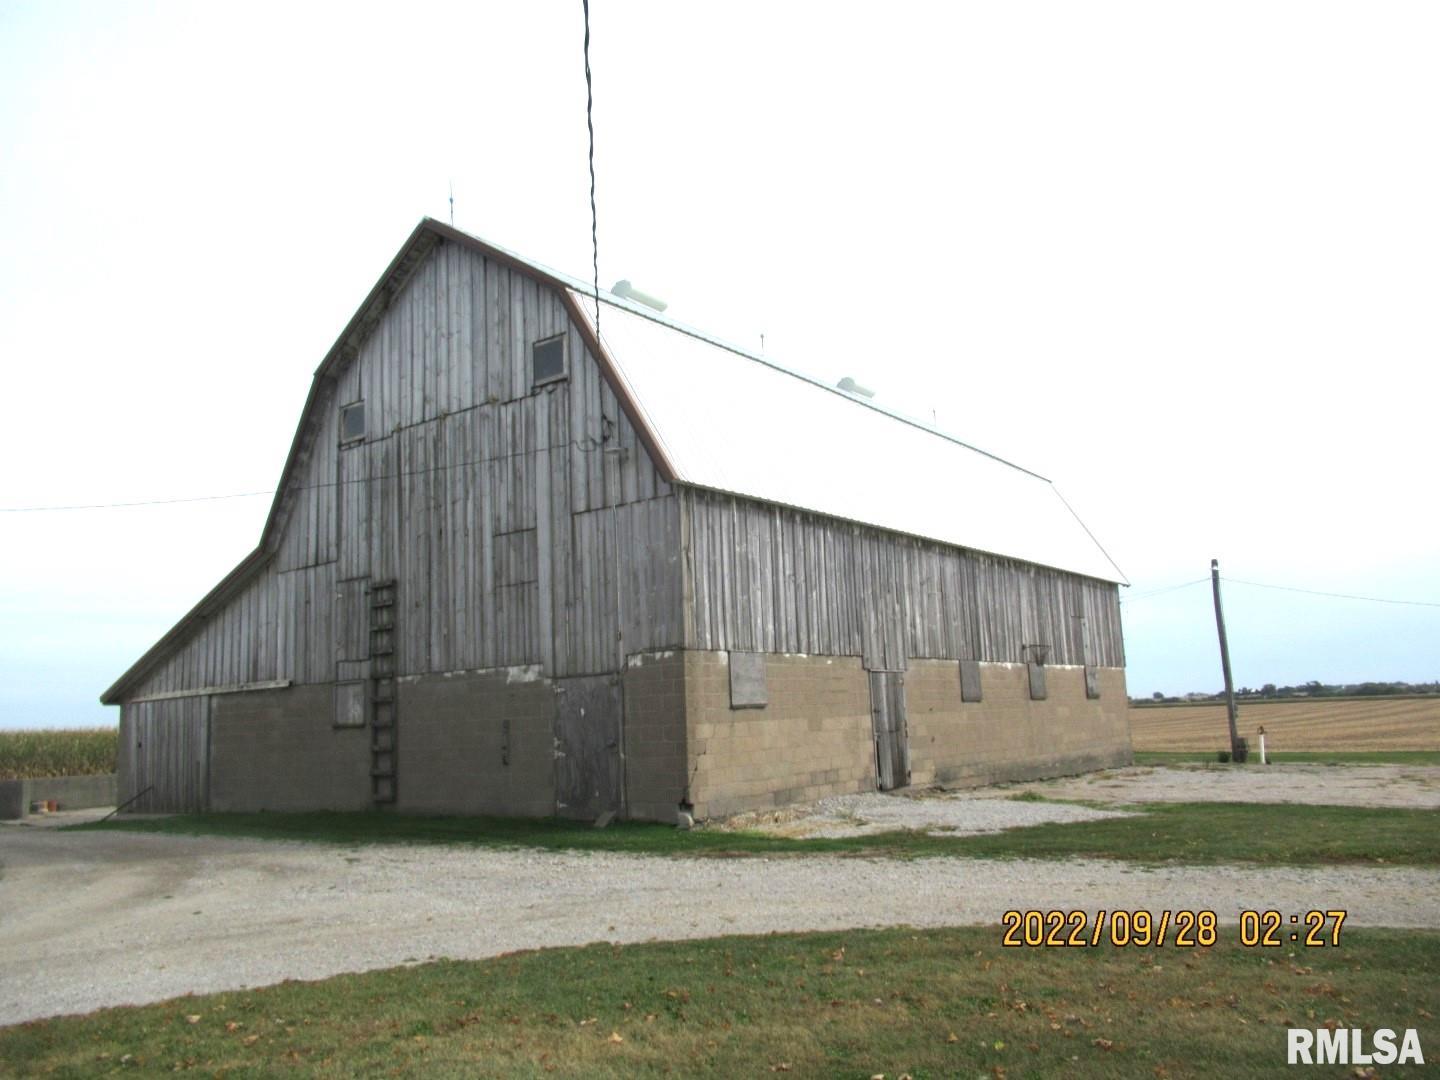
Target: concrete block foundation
{"x": 490, "y": 742}
{"x": 280, "y": 750}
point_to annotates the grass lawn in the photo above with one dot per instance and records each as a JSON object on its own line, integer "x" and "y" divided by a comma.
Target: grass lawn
{"x": 843, "y": 1004}
{"x": 1269, "y": 834}
{"x": 1295, "y": 757}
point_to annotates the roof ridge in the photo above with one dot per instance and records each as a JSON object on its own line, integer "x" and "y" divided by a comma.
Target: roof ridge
{"x": 588, "y": 289}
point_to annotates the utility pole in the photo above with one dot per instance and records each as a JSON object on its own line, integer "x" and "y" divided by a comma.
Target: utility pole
{"x": 1225, "y": 661}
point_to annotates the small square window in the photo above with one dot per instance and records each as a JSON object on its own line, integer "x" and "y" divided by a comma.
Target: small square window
{"x": 547, "y": 360}
{"x": 352, "y": 422}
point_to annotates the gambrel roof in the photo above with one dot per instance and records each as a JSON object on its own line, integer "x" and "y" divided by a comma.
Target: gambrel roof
{"x": 716, "y": 416}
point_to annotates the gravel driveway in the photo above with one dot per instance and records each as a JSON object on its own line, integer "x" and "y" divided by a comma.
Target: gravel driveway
{"x": 93, "y": 919}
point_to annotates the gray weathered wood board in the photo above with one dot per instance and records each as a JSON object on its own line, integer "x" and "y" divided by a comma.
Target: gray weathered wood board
{"x": 892, "y": 741}
{"x": 164, "y": 745}
{"x": 588, "y": 778}
{"x": 763, "y": 578}
{"x": 522, "y": 525}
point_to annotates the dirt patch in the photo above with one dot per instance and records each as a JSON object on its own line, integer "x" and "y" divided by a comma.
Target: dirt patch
{"x": 945, "y": 813}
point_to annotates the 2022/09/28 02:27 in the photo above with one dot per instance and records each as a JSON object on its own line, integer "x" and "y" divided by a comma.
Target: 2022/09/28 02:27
{"x": 1182, "y": 928}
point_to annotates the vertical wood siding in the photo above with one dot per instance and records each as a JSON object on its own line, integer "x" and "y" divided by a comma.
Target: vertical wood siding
{"x": 165, "y": 747}
{"x": 762, "y": 578}
{"x": 522, "y": 525}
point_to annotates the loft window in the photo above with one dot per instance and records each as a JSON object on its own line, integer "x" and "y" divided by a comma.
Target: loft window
{"x": 352, "y": 422}
{"x": 547, "y": 360}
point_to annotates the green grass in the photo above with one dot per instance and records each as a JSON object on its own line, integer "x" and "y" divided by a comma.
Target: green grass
{"x": 1296, "y": 757}
{"x": 1269, "y": 834}
{"x": 57, "y": 752}
{"x": 859, "y": 1003}
{"x": 1272, "y": 834}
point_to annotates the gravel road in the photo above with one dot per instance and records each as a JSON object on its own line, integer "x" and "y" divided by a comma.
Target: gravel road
{"x": 94, "y": 919}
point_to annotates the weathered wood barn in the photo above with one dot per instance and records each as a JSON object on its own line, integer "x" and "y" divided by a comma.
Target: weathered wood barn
{"x": 519, "y": 566}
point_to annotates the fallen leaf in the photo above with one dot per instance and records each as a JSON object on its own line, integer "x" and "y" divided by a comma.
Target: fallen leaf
{"x": 952, "y": 1038}
{"x": 233, "y": 1025}
{"x": 250, "y": 1040}
{"x": 616, "y": 1037}
{"x": 1103, "y": 1044}
{"x": 783, "y": 1066}
{"x": 193, "y": 1019}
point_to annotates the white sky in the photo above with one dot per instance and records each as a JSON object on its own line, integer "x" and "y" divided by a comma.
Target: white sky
{"x": 1181, "y": 260}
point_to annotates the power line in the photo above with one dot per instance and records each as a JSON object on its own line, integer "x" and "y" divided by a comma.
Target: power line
{"x": 1162, "y": 592}
{"x": 585, "y": 446}
{"x": 139, "y": 502}
{"x": 1336, "y": 595}
{"x": 590, "y": 126}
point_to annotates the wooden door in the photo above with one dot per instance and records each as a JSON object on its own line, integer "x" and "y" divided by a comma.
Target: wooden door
{"x": 892, "y": 745}
{"x": 164, "y": 756}
{"x": 588, "y": 778}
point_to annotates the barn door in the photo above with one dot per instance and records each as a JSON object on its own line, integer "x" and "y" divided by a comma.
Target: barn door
{"x": 588, "y": 778}
{"x": 892, "y": 745}
{"x": 164, "y": 755}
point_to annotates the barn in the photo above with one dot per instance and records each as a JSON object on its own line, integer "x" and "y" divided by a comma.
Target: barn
{"x": 529, "y": 557}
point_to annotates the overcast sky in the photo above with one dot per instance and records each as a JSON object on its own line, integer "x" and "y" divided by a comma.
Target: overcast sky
{"x": 1182, "y": 260}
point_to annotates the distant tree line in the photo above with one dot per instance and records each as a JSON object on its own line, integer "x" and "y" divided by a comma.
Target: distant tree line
{"x": 1312, "y": 689}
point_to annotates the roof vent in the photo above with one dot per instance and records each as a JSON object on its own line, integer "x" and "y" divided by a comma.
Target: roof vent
{"x": 850, "y": 386}
{"x": 626, "y": 291}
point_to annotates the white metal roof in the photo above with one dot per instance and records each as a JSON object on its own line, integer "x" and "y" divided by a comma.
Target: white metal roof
{"x": 736, "y": 422}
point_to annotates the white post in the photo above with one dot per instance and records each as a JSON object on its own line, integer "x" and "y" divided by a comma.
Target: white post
{"x": 1262, "y": 746}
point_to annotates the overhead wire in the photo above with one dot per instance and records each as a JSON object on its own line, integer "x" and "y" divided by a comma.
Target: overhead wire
{"x": 590, "y": 127}
{"x": 1336, "y": 595}
{"x": 587, "y": 445}
{"x": 1162, "y": 592}
{"x": 595, "y": 266}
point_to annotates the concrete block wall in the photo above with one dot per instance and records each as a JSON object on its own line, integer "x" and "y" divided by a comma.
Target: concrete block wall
{"x": 279, "y": 750}
{"x": 655, "y": 735}
{"x": 1007, "y": 736}
{"x": 484, "y": 743}
{"x": 70, "y": 792}
{"x": 813, "y": 738}
{"x": 478, "y": 743}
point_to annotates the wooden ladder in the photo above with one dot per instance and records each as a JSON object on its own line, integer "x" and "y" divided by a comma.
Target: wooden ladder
{"x": 383, "y": 747}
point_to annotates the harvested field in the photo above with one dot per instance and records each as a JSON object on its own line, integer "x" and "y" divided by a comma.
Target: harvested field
{"x": 1410, "y": 723}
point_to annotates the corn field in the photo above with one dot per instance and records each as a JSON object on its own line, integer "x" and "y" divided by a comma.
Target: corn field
{"x": 57, "y": 752}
